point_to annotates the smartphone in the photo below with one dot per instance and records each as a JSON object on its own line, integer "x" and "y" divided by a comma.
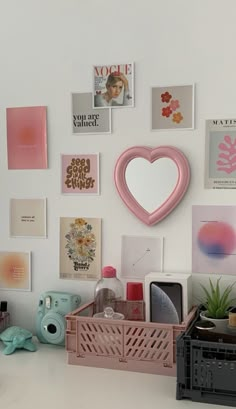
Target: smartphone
{"x": 166, "y": 302}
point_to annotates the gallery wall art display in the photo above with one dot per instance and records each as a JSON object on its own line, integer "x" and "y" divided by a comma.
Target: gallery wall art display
{"x": 87, "y": 120}
{"x": 214, "y": 239}
{"x": 80, "y": 248}
{"x": 27, "y": 137}
{"x": 140, "y": 255}
{"x": 15, "y": 270}
{"x": 28, "y": 218}
{"x": 220, "y": 154}
{"x": 113, "y": 85}
{"x": 80, "y": 174}
{"x": 172, "y": 107}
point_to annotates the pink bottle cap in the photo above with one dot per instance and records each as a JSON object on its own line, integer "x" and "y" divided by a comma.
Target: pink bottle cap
{"x": 134, "y": 291}
{"x": 108, "y": 272}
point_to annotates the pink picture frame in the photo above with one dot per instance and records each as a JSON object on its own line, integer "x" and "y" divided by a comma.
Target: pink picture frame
{"x": 152, "y": 155}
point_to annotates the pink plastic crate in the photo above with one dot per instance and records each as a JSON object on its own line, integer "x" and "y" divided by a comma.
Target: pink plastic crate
{"x": 126, "y": 345}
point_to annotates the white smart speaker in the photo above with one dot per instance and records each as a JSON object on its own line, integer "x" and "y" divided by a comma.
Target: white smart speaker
{"x": 168, "y": 297}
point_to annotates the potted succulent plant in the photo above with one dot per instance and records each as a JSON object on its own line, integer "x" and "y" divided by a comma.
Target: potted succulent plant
{"x": 217, "y": 304}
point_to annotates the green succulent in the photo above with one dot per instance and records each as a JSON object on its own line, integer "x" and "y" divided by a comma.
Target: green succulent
{"x": 217, "y": 303}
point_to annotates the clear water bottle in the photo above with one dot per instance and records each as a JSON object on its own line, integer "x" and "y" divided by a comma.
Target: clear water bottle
{"x": 108, "y": 290}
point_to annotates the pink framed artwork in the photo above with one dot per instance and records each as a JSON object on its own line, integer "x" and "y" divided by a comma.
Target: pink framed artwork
{"x": 27, "y": 138}
{"x": 80, "y": 174}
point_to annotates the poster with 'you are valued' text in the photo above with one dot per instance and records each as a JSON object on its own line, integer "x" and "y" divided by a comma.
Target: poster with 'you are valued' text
{"x": 85, "y": 119}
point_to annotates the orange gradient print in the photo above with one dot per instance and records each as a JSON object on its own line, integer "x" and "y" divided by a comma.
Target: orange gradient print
{"x": 15, "y": 271}
{"x": 27, "y": 137}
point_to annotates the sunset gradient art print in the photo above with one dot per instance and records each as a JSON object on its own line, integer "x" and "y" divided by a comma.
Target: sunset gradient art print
{"x": 27, "y": 138}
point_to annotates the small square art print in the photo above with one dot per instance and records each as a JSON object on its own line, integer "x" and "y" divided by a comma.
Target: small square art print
{"x": 85, "y": 119}
{"x": 172, "y": 107}
{"x": 28, "y": 218}
{"x": 15, "y": 270}
{"x": 140, "y": 255}
{"x": 113, "y": 86}
{"x": 80, "y": 174}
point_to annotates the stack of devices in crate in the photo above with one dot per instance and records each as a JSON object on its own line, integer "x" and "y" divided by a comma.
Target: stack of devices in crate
{"x": 144, "y": 340}
{"x": 206, "y": 364}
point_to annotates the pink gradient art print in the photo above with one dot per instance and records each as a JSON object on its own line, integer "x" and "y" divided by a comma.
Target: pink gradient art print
{"x": 27, "y": 138}
{"x": 213, "y": 239}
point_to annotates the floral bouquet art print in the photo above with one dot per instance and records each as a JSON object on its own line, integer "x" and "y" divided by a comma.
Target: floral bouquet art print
{"x": 80, "y": 248}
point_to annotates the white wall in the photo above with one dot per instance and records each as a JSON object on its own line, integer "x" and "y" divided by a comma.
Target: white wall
{"x": 47, "y": 49}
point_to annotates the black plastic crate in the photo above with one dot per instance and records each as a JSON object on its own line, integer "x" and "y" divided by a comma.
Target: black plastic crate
{"x": 206, "y": 366}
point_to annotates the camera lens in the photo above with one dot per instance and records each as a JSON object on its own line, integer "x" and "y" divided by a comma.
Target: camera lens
{"x": 52, "y": 329}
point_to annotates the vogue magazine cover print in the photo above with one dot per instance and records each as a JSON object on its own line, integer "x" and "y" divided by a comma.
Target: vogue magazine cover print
{"x": 113, "y": 86}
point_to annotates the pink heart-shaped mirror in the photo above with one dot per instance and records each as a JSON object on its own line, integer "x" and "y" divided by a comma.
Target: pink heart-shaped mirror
{"x": 152, "y": 155}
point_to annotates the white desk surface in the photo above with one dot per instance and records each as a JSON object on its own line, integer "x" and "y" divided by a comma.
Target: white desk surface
{"x": 43, "y": 379}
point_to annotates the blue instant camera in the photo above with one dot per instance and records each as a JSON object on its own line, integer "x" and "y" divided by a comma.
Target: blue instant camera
{"x": 50, "y": 320}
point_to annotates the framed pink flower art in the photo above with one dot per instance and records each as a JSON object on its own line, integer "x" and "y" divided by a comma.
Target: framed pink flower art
{"x": 172, "y": 107}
